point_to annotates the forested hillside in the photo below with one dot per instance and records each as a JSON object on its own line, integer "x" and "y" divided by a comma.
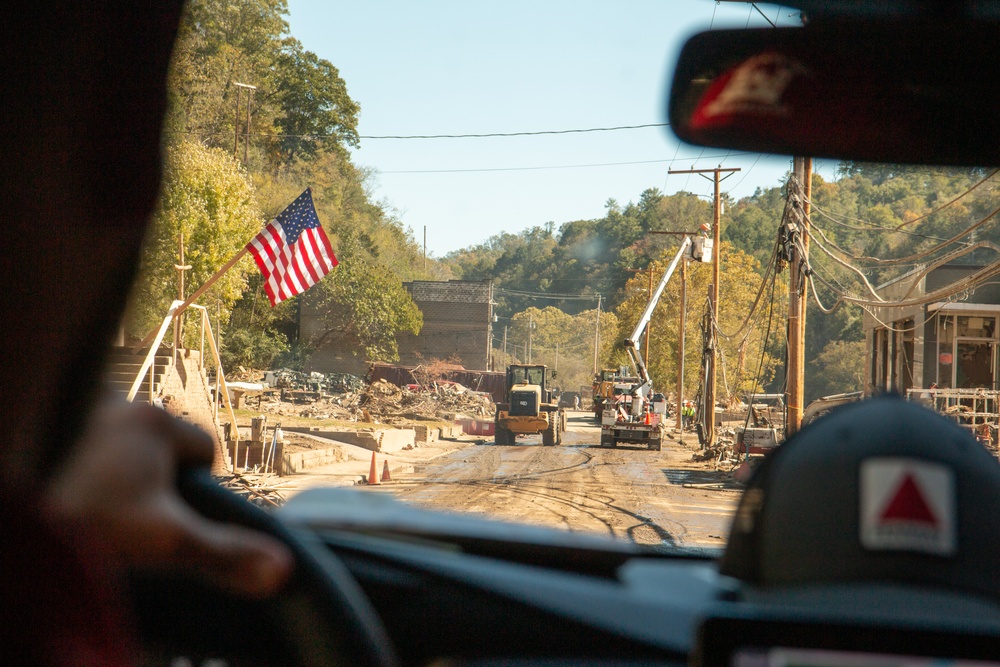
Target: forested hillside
{"x": 226, "y": 175}
{"x": 302, "y": 121}
{"x": 873, "y": 223}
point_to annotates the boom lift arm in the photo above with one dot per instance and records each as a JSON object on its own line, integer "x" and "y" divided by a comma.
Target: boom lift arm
{"x": 632, "y": 342}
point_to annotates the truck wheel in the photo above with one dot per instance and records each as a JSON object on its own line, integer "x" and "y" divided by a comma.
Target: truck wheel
{"x": 551, "y": 431}
{"x": 502, "y": 436}
{"x": 560, "y": 427}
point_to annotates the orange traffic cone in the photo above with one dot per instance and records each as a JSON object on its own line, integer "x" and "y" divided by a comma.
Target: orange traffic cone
{"x": 373, "y": 472}
{"x": 385, "y": 472}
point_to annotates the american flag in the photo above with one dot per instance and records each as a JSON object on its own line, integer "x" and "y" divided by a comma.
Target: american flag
{"x": 293, "y": 252}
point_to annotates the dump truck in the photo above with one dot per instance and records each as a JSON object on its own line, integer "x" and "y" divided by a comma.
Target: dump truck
{"x": 528, "y": 407}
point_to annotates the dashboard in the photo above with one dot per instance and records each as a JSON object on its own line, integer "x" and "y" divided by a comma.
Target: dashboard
{"x": 464, "y": 590}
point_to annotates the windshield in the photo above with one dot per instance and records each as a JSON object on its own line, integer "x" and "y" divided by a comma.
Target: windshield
{"x": 458, "y": 202}
{"x": 527, "y": 375}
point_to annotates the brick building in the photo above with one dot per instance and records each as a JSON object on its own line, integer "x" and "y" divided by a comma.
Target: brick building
{"x": 458, "y": 323}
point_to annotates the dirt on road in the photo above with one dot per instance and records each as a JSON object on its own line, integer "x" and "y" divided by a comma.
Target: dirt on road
{"x": 661, "y": 499}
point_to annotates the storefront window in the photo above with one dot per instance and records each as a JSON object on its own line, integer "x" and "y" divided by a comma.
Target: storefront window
{"x": 946, "y": 331}
{"x": 966, "y": 351}
{"x": 971, "y": 326}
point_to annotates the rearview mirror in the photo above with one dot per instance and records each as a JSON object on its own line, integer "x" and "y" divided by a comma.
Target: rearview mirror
{"x": 878, "y": 91}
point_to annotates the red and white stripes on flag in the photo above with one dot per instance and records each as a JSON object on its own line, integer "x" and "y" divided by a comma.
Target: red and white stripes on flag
{"x": 293, "y": 252}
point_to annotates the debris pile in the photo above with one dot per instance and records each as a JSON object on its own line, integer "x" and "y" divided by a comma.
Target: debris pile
{"x": 347, "y": 398}
{"x": 334, "y": 383}
{"x": 261, "y": 490}
{"x": 442, "y": 400}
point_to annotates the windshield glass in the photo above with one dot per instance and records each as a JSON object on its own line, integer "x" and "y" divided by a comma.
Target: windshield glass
{"x": 372, "y": 231}
{"x": 527, "y": 375}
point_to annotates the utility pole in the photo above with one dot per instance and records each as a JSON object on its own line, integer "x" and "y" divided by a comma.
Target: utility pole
{"x": 240, "y": 87}
{"x": 531, "y": 325}
{"x": 425, "y": 247}
{"x": 597, "y": 334}
{"x": 648, "y": 326}
{"x": 681, "y": 325}
{"x": 505, "y": 360}
{"x": 714, "y": 295}
{"x": 797, "y": 297}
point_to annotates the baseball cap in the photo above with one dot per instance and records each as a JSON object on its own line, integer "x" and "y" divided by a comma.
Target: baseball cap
{"x": 879, "y": 490}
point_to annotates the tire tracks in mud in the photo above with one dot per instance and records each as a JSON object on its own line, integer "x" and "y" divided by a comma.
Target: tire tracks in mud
{"x": 572, "y": 487}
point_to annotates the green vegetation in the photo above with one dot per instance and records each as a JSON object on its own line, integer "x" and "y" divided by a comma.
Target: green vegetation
{"x": 871, "y": 214}
{"x": 302, "y": 122}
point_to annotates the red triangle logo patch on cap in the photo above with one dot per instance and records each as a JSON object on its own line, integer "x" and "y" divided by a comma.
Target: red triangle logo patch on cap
{"x": 908, "y": 504}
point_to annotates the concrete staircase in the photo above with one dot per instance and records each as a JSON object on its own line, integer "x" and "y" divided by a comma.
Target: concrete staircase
{"x": 182, "y": 388}
{"x": 122, "y": 366}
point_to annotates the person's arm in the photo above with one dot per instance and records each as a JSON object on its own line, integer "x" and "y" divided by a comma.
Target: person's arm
{"x": 118, "y": 488}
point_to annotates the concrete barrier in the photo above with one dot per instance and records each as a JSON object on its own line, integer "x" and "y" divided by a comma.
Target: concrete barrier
{"x": 451, "y": 432}
{"x": 425, "y": 435}
{"x": 380, "y": 440}
{"x": 299, "y": 461}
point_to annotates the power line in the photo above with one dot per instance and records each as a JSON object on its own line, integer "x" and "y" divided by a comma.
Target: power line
{"x": 507, "y": 134}
{"x": 547, "y": 295}
{"x": 926, "y": 253}
{"x": 477, "y": 135}
{"x": 543, "y": 167}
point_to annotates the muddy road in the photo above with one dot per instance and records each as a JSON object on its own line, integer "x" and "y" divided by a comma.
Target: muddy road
{"x": 652, "y": 498}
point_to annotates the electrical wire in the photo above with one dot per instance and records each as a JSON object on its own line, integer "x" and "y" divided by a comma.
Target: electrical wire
{"x": 547, "y": 295}
{"x": 538, "y": 168}
{"x": 485, "y": 135}
{"x": 968, "y": 282}
{"x": 932, "y": 250}
{"x": 929, "y": 213}
{"x": 477, "y": 135}
{"x": 943, "y": 206}
{"x": 873, "y": 228}
{"x": 763, "y": 354}
{"x": 771, "y": 266}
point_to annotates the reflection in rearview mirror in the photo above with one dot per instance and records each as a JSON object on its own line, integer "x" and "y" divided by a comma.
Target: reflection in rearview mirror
{"x": 859, "y": 90}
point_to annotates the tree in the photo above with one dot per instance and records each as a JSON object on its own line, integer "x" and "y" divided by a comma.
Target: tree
{"x": 561, "y": 341}
{"x": 364, "y": 306}
{"x": 741, "y": 355}
{"x": 840, "y": 367}
{"x": 209, "y": 200}
{"x": 300, "y": 107}
{"x": 316, "y": 111}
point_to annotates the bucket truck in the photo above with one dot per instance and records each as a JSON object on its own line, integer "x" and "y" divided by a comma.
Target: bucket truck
{"x": 634, "y": 414}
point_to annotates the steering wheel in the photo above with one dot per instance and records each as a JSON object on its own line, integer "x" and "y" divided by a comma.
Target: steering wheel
{"x": 321, "y": 617}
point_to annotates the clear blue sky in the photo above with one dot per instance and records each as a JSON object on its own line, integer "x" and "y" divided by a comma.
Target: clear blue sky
{"x": 454, "y": 67}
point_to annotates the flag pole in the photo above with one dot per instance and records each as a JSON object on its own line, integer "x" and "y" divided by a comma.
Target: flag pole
{"x": 194, "y": 296}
